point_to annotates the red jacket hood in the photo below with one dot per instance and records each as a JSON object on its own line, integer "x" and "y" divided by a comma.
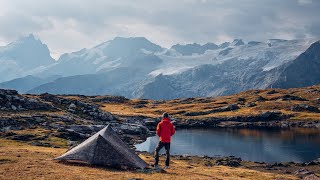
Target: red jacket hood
{"x": 166, "y": 120}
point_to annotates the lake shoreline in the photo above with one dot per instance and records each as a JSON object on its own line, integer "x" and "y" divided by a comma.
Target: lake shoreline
{"x": 298, "y": 169}
{"x": 256, "y": 129}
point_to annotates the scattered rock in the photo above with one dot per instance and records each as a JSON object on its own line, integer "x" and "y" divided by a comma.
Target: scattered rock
{"x": 229, "y": 161}
{"x": 72, "y": 111}
{"x": 72, "y": 106}
{"x": 241, "y": 99}
{"x": 208, "y": 163}
{"x": 132, "y": 129}
{"x": 13, "y": 107}
{"x": 304, "y": 107}
{"x": 110, "y": 99}
{"x": 277, "y": 165}
{"x": 312, "y": 91}
{"x": 8, "y": 92}
{"x": 303, "y": 172}
{"x": 270, "y": 115}
{"x": 92, "y": 111}
{"x": 151, "y": 123}
{"x": 143, "y": 102}
{"x": 311, "y": 177}
{"x": 231, "y": 107}
{"x": 37, "y": 143}
{"x": 70, "y": 135}
{"x": 138, "y": 106}
{"x": 291, "y": 97}
{"x": 272, "y": 92}
{"x": 312, "y": 163}
{"x": 11, "y": 100}
{"x": 260, "y": 99}
{"x": 251, "y": 104}
{"x": 22, "y": 137}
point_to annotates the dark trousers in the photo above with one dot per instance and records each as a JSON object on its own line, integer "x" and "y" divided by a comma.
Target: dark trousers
{"x": 158, "y": 148}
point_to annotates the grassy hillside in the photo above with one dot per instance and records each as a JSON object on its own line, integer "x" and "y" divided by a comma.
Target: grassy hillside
{"x": 250, "y": 103}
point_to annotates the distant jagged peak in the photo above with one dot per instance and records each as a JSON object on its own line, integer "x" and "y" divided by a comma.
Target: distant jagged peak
{"x": 128, "y": 45}
{"x": 27, "y": 51}
{"x": 189, "y": 49}
{"x": 27, "y": 42}
{"x": 209, "y": 44}
{"x": 119, "y": 47}
{"x": 138, "y": 41}
{"x": 237, "y": 42}
{"x": 224, "y": 45}
{"x": 28, "y": 39}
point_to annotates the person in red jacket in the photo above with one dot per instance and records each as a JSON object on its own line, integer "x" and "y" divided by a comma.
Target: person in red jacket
{"x": 165, "y": 130}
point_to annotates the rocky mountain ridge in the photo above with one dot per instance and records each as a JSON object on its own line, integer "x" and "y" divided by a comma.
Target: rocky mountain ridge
{"x": 138, "y": 68}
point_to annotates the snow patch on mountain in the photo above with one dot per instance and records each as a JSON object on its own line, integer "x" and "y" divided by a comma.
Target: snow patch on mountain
{"x": 278, "y": 54}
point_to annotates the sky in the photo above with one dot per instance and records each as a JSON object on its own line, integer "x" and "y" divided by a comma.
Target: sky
{"x": 70, "y": 25}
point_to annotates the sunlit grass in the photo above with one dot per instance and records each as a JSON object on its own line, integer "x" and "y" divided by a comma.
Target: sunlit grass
{"x": 178, "y": 107}
{"x": 21, "y": 161}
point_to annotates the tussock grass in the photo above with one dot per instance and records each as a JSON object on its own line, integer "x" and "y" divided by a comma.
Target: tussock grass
{"x": 178, "y": 107}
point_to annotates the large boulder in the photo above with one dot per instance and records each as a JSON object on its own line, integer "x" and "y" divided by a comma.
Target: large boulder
{"x": 133, "y": 129}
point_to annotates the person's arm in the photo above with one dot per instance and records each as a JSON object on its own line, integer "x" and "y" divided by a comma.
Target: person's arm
{"x": 172, "y": 130}
{"x": 158, "y": 129}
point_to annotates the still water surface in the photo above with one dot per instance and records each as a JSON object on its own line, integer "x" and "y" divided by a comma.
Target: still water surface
{"x": 262, "y": 145}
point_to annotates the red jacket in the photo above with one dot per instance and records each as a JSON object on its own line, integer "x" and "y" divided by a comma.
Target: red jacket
{"x": 165, "y": 130}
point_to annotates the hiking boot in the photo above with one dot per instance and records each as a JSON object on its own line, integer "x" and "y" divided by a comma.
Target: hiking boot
{"x": 166, "y": 167}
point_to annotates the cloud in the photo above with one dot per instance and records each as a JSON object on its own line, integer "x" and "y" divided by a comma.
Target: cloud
{"x": 304, "y": 2}
{"x": 71, "y": 25}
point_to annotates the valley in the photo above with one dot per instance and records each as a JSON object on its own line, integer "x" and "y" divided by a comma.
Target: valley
{"x": 47, "y": 124}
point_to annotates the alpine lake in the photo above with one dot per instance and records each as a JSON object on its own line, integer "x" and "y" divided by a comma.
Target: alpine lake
{"x": 260, "y": 145}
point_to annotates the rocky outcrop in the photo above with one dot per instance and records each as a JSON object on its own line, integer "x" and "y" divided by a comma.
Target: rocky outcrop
{"x": 110, "y": 99}
{"x": 130, "y": 133}
{"x": 213, "y": 121}
{"x": 292, "y": 98}
{"x": 305, "y": 107}
{"x": 10, "y": 100}
{"x": 305, "y": 174}
{"x": 312, "y": 163}
{"x": 89, "y": 111}
{"x": 229, "y": 161}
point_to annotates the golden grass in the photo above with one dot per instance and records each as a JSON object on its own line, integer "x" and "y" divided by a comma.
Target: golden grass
{"x": 177, "y": 107}
{"x": 306, "y": 116}
{"x": 21, "y": 161}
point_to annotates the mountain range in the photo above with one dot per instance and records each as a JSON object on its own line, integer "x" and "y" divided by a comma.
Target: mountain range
{"x": 137, "y": 68}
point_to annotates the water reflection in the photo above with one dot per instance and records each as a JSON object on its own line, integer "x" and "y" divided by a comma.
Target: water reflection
{"x": 263, "y": 145}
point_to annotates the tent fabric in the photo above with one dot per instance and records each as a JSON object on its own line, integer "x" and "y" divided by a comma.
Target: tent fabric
{"x": 105, "y": 148}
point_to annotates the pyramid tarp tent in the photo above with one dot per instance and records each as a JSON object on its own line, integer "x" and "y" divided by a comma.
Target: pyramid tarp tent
{"x": 105, "y": 148}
